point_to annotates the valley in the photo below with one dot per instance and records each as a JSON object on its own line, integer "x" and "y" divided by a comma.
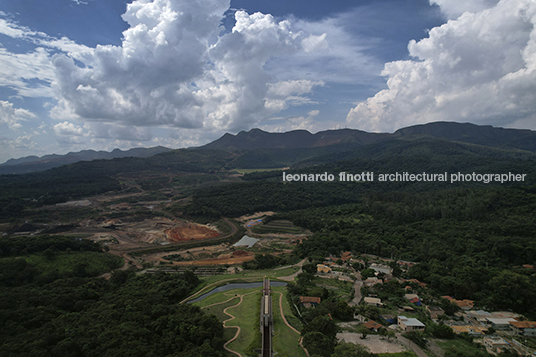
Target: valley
{"x": 152, "y": 233}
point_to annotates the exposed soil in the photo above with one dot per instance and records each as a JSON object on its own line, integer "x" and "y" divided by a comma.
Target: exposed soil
{"x": 190, "y": 232}
{"x": 218, "y": 261}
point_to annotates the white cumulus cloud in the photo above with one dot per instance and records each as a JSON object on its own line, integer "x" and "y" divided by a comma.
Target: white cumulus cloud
{"x": 12, "y": 116}
{"x": 480, "y": 68}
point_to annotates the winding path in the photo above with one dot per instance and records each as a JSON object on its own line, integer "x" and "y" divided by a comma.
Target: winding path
{"x": 300, "y": 340}
{"x": 232, "y": 318}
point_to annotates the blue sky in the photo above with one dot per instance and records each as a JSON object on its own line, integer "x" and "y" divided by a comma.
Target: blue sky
{"x": 101, "y": 74}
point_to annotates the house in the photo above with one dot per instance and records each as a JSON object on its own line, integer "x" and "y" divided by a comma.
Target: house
{"x": 495, "y": 343}
{"x": 464, "y": 304}
{"x": 413, "y": 298}
{"x": 373, "y": 325}
{"x": 346, "y": 256}
{"x": 408, "y": 324}
{"x": 435, "y": 311}
{"x": 372, "y": 281}
{"x": 524, "y": 328}
{"x": 373, "y": 301}
{"x": 380, "y": 268}
{"x": 478, "y": 316}
{"x": 408, "y": 308}
{"x": 308, "y": 301}
{"x": 321, "y": 268}
{"x": 469, "y": 329}
{"x": 500, "y": 323}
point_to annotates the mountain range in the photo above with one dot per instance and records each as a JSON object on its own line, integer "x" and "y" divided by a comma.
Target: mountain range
{"x": 462, "y": 132}
{"x": 260, "y": 149}
{"x": 36, "y": 164}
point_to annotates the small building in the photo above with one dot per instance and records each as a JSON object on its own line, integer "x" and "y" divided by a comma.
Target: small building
{"x": 500, "y": 323}
{"x": 414, "y": 299}
{"x": 373, "y": 301}
{"x": 495, "y": 344}
{"x": 469, "y": 329}
{"x": 408, "y": 324}
{"x": 321, "y": 268}
{"x": 523, "y": 328}
{"x": 373, "y": 325}
{"x": 464, "y": 304}
{"x": 372, "y": 281}
{"x": 478, "y": 316}
{"x": 435, "y": 311}
{"x": 380, "y": 268}
{"x": 346, "y": 256}
{"x": 309, "y": 301}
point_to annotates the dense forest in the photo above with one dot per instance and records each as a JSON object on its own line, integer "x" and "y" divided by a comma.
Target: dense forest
{"x": 470, "y": 243}
{"x": 72, "y": 314}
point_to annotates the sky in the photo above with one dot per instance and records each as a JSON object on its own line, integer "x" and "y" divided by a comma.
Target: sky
{"x": 105, "y": 74}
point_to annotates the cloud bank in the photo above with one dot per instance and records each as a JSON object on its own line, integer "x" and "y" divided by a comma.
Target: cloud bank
{"x": 479, "y": 68}
{"x": 175, "y": 69}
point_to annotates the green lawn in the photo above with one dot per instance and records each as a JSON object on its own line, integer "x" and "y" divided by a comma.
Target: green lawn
{"x": 287, "y": 310}
{"x": 247, "y": 317}
{"x": 218, "y": 309}
{"x": 285, "y": 341}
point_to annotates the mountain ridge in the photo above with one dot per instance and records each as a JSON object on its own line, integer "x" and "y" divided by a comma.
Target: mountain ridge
{"x": 487, "y": 135}
{"x": 36, "y": 164}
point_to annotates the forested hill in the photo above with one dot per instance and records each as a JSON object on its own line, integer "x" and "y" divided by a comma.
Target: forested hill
{"x": 36, "y": 164}
{"x": 451, "y": 131}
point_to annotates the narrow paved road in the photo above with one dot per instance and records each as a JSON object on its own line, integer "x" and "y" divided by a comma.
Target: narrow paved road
{"x": 292, "y": 276}
{"x": 357, "y": 294}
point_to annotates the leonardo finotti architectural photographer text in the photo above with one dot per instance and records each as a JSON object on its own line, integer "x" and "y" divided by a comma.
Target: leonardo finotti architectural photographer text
{"x": 405, "y": 177}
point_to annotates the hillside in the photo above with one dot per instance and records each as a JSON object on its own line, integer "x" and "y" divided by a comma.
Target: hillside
{"x": 464, "y": 132}
{"x": 36, "y": 164}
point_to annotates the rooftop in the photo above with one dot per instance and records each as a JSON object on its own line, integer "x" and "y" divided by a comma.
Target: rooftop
{"x": 410, "y": 321}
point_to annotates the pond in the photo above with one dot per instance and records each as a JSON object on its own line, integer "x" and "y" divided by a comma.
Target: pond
{"x": 232, "y": 286}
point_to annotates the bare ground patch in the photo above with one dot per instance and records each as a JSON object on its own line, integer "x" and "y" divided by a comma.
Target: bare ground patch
{"x": 373, "y": 342}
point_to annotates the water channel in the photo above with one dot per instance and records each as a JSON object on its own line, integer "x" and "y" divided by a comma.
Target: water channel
{"x": 232, "y": 286}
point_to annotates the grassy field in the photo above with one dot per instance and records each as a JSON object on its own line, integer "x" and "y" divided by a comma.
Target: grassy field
{"x": 63, "y": 263}
{"x": 247, "y": 317}
{"x": 287, "y": 310}
{"x": 343, "y": 289}
{"x": 285, "y": 341}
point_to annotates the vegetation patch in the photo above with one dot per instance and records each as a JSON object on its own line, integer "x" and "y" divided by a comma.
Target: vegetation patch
{"x": 278, "y": 226}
